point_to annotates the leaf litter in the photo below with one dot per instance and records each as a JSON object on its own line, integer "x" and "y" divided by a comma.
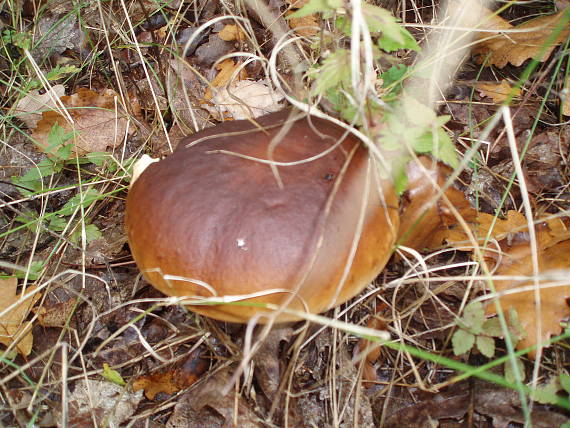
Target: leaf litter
{"x": 311, "y": 396}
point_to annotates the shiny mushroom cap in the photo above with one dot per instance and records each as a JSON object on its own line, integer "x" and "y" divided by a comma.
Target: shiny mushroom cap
{"x": 308, "y": 232}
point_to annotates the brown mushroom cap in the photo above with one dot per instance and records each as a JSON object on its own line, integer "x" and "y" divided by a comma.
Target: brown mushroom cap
{"x": 210, "y": 224}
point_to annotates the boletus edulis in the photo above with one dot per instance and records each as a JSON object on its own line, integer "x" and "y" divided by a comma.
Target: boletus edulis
{"x": 290, "y": 210}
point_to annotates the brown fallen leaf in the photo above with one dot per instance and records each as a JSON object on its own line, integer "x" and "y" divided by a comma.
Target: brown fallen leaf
{"x": 516, "y": 259}
{"x": 226, "y": 70}
{"x": 98, "y": 121}
{"x": 305, "y": 26}
{"x": 516, "y": 44}
{"x": 57, "y": 314}
{"x": 173, "y": 379}
{"x": 207, "y": 406}
{"x": 498, "y": 92}
{"x": 13, "y": 327}
{"x": 231, "y": 32}
{"x": 29, "y": 109}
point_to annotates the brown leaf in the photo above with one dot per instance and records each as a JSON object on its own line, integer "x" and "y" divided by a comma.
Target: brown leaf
{"x": 231, "y": 32}
{"x": 173, "y": 379}
{"x": 528, "y": 40}
{"x": 301, "y": 25}
{"x": 226, "y": 70}
{"x": 57, "y": 314}
{"x": 13, "y": 327}
{"x": 553, "y": 255}
{"x": 498, "y": 92}
{"x": 207, "y": 406}
{"x": 97, "y": 119}
{"x": 29, "y": 109}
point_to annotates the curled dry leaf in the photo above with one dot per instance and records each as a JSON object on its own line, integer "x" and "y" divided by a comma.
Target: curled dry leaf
{"x": 498, "y": 92}
{"x": 536, "y": 39}
{"x": 247, "y": 99}
{"x": 226, "y": 69}
{"x": 13, "y": 327}
{"x": 98, "y": 121}
{"x": 173, "y": 379}
{"x": 29, "y": 109}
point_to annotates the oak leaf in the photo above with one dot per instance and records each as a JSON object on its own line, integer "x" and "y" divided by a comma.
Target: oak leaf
{"x": 98, "y": 122}
{"x": 536, "y": 39}
{"x": 517, "y": 261}
{"x": 29, "y": 109}
{"x": 13, "y": 325}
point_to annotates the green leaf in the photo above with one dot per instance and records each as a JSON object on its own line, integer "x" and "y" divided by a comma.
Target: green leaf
{"x": 473, "y": 317}
{"x": 98, "y": 158}
{"x": 492, "y": 327}
{"x": 92, "y": 233}
{"x": 565, "y": 382}
{"x": 462, "y": 341}
{"x": 317, "y": 6}
{"x": 89, "y": 197}
{"x": 546, "y": 394}
{"x": 510, "y": 374}
{"x": 57, "y": 224}
{"x": 389, "y": 44}
{"x": 57, "y": 146}
{"x": 58, "y": 72}
{"x": 394, "y": 35}
{"x": 29, "y": 219}
{"x": 32, "y": 179}
{"x": 394, "y": 74}
{"x": 516, "y": 329}
{"x": 34, "y": 272}
{"x": 112, "y": 375}
{"x": 486, "y": 345}
{"x": 20, "y": 40}
{"x": 444, "y": 149}
{"x": 333, "y": 73}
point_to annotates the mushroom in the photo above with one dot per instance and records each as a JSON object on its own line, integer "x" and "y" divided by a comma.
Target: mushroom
{"x": 283, "y": 210}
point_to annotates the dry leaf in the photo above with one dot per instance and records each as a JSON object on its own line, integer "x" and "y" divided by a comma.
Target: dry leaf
{"x": 231, "y": 32}
{"x": 306, "y": 26}
{"x": 100, "y": 403}
{"x": 226, "y": 70}
{"x": 553, "y": 306}
{"x": 498, "y": 92}
{"x": 208, "y": 406}
{"x": 13, "y": 326}
{"x": 173, "y": 379}
{"x": 98, "y": 121}
{"x": 527, "y": 40}
{"x": 246, "y": 99}
{"x": 29, "y": 109}
{"x": 57, "y": 314}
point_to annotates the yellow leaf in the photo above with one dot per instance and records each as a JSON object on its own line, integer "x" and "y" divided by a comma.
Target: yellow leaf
{"x": 498, "y": 92}
{"x": 13, "y": 327}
